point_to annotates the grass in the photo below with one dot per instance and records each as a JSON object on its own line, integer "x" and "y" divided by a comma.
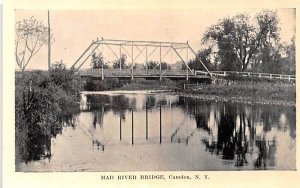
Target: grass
{"x": 248, "y": 91}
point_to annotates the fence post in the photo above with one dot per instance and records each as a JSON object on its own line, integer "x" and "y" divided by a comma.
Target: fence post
{"x": 224, "y": 73}
{"x": 289, "y": 78}
{"x": 259, "y": 75}
{"x": 270, "y": 76}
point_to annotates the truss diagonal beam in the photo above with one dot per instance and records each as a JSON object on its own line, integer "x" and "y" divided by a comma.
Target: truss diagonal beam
{"x": 112, "y": 51}
{"x": 88, "y": 57}
{"x": 199, "y": 60}
{"x": 166, "y": 53}
{"x": 82, "y": 54}
{"x": 182, "y": 60}
{"x": 126, "y": 52}
{"x": 140, "y": 52}
{"x": 152, "y": 51}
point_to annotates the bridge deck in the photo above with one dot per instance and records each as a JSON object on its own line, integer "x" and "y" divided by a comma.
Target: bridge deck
{"x": 127, "y": 73}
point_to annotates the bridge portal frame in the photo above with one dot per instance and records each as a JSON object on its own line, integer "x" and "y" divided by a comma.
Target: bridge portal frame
{"x": 172, "y": 46}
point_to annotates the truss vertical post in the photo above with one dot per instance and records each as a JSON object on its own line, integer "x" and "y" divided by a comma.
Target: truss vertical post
{"x": 120, "y": 56}
{"x": 102, "y": 72}
{"x": 132, "y": 61}
{"x": 160, "y": 75}
{"x": 146, "y": 60}
{"x": 187, "y": 61}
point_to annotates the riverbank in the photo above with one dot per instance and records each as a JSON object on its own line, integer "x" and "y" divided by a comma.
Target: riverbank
{"x": 42, "y": 100}
{"x": 246, "y": 92}
{"x": 263, "y": 92}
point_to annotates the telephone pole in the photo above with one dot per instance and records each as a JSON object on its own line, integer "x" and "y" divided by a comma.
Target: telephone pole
{"x": 49, "y": 42}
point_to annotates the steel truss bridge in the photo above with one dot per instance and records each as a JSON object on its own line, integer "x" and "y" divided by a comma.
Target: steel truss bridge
{"x": 140, "y": 52}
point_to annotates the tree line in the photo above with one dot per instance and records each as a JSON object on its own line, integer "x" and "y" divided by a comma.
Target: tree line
{"x": 97, "y": 62}
{"x": 241, "y": 43}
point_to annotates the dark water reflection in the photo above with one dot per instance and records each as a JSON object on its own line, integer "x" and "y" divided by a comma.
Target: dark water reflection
{"x": 235, "y": 131}
{"x": 190, "y": 133}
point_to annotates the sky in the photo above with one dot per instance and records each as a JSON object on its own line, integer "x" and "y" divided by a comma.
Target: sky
{"x": 74, "y": 30}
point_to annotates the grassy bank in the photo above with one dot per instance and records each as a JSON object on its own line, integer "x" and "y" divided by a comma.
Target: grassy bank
{"x": 264, "y": 92}
{"x": 41, "y": 99}
{"x": 136, "y": 84}
{"x": 232, "y": 89}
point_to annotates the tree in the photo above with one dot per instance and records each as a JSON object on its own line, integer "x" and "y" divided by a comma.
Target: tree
{"x": 238, "y": 40}
{"x": 155, "y": 65}
{"x": 152, "y": 64}
{"x": 291, "y": 57}
{"x": 204, "y": 56}
{"x": 31, "y": 35}
{"x": 116, "y": 63}
{"x": 279, "y": 58}
{"x": 67, "y": 80}
{"x": 97, "y": 61}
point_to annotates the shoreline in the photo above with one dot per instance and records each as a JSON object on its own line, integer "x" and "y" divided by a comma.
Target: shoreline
{"x": 205, "y": 97}
{"x": 234, "y": 99}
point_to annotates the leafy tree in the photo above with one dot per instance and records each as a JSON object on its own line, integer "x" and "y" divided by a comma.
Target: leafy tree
{"x": 67, "y": 80}
{"x": 291, "y": 57}
{"x": 152, "y": 64}
{"x": 97, "y": 61}
{"x": 204, "y": 56}
{"x": 164, "y": 66}
{"x": 116, "y": 63}
{"x": 279, "y": 58}
{"x": 238, "y": 40}
{"x": 31, "y": 35}
{"x": 155, "y": 65}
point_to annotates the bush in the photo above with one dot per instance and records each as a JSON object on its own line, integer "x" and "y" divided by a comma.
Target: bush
{"x": 40, "y": 98}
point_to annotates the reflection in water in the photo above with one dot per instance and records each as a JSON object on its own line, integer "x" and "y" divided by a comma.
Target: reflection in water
{"x": 38, "y": 142}
{"x": 190, "y": 132}
{"x": 237, "y": 131}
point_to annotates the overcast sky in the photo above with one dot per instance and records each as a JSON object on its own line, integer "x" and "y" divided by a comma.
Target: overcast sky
{"x": 74, "y": 30}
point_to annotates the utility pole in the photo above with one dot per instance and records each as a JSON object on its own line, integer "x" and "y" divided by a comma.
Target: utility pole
{"x": 49, "y": 43}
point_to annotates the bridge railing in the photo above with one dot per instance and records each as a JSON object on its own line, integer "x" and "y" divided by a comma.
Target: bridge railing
{"x": 128, "y": 72}
{"x": 248, "y": 74}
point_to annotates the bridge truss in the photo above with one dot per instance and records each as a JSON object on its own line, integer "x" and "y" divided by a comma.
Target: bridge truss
{"x": 139, "y": 52}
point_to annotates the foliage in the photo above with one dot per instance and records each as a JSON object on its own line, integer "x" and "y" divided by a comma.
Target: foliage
{"x": 238, "y": 40}
{"x": 116, "y": 63}
{"x": 31, "y": 35}
{"x": 102, "y": 85}
{"x": 278, "y": 59}
{"x": 67, "y": 80}
{"x": 40, "y": 97}
{"x": 155, "y": 65}
{"x": 97, "y": 61}
{"x": 204, "y": 56}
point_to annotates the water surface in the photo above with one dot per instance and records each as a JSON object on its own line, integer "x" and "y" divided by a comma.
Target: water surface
{"x": 145, "y": 131}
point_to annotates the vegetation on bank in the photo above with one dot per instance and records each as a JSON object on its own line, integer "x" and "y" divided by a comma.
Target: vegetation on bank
{"x": 40, "y": 99}
{"x": 230, "y": 89}
{"x": 246, "y": 90}
{"x": 135, "y": 84}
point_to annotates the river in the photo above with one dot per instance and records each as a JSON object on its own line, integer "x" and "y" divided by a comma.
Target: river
{"x": 148, "y": 131}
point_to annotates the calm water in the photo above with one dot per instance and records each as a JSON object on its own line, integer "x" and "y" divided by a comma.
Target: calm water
{"x": 144, "y": 131}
